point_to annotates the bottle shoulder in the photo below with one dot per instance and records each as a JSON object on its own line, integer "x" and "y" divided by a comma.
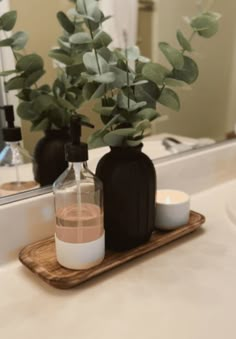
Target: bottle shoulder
{"x": 76, "y": 175}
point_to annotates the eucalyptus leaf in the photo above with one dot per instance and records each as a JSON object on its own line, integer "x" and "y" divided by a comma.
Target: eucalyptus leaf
{"x": 93, "y": 91}
{"x": 155, "y": 73}
{"x": 66, "y": 104}
{"x": 206, "y": 25}
{"x": 6, "y": 42}
{"x": 25, "y": 112}
{"x": 61, "y": 56}
{"x": 124, "y": 102}
{"x": 29, "y": 63}
{"x": 143, "y": 125}
{"x": 103, "y": 110}
{"x": 101, "y": 39}
{"x": 40, "y": 125}
{"x": 148, "y": 113}
{"x": 104, "y": 78}
{"x": 33, "y": 77}
{"x": 43, "y": 103}
{"x": 6, "y": 73}
{"x": 174, "y": 56}
{"x": 184, "y": 43}
{"x": 15, "y": 83}
{"x": 170, "y": 99}
{"x": 19, "y": 40}
{"x": 65, "y": 22}
{"x": 81, "y": 38}
{"x": 95, "y": 65}
{"x": 96, "y": 139}
{"x": 132, "y": 53}
{"x": 147, "y": 92}
{"x": 8, "y": 20}
{"x": 176, "y": 83}
{"x": 189, "y": 72}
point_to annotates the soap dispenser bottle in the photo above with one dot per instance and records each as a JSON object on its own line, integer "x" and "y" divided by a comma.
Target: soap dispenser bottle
{"x": 13, "y": 155}
{"x": 78, "y": 197}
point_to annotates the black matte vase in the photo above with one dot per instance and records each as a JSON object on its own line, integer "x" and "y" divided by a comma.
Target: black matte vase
{"x": 129, "y": 181}
{"x": 49, "y": 156}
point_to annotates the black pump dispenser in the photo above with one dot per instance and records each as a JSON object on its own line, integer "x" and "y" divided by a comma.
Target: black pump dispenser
{"x": 76, "y": 151}
{"x": 11, "y": 133}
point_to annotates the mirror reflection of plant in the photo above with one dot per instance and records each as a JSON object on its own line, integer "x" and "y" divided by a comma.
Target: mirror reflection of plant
{"x": 126, "y": 87}
{"x": 45, "y": 106}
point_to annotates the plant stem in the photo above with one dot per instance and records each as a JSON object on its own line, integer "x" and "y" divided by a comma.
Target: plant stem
{"x": 92, "y": 37}
{"x": 127, "y": 65}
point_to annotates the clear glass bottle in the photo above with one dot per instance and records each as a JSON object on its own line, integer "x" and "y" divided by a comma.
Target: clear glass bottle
{"x": 78, "y": 194}
{"x": 13, "y": 155}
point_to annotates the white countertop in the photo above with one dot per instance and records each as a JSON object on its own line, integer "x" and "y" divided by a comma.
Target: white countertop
{"x": 186, "y": 290}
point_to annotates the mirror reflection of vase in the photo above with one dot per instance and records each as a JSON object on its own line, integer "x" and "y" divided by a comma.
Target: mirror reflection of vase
{"x": 49, "y": 156}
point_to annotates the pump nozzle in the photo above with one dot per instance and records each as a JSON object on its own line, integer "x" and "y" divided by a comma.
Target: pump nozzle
{"x": 76, "y": 124}
{"x": 11, "y": 133}
{"x": 77, "y": 151}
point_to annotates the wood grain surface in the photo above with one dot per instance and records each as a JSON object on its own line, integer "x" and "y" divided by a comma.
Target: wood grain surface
{"x": 40, "y": 257}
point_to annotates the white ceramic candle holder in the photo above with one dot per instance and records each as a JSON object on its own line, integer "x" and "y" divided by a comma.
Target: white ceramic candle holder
{"x": 172, "y": 209}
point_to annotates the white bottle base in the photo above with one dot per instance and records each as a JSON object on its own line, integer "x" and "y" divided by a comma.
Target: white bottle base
{"x": 80, "y": 256}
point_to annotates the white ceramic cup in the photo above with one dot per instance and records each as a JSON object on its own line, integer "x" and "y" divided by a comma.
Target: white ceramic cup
{"x": 172, "y": 209}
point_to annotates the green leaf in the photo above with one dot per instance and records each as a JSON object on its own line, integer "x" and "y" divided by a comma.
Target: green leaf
{"x": 89, "y": 8}
{"x": 103, "y": 110}
{"x": 81, "y": 38}
{"x": 6, "y": 73}
{"x": 148, "y": 92}
{"x": 29, "y": 64}
{"x": 61, "y": 56}
{"x": 8, "y": 20}
{"x": 128, "y": 104}
{"x": 104, "y": 78}
{"x": 170, "y": 99}
{"x": 189, "y": 72}
{"x": 93, "y": 91}
{"x": 41, "y": 125}
{"x": 65, "y": 22}
{"x": 184, "y": 43}
{"x": 19, "y": 40}
{"x": 25, "y": 112}
{"x": 206, "y": 25}
{"x": 33, "y": 77}
{"x": 148, "y": 113}
{"x": 15, "y": 83}
{"x": 43, "y": 103}
{"x": 6, "y": 42}
{"x": 155, "y": 73}
{"x": 96, "y": 139}
{"x": 75, "y": 70}
{"x": 143, "y": 125}
{"x": 132, "y": 53}
{"x": 176, "y": 83}
{"x": 91, "y": 63}
{"x": 101, "y": 39}
{"x": 115, "y": 138}
{"x": 174, "y": 56}
{"x": 65, "y": 104}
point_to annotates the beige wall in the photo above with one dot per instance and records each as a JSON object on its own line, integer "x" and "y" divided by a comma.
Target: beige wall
{"x": 205, "y": 110}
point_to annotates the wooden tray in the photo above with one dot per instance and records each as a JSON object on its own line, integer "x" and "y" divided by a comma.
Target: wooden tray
{"x": 40, "y": 257}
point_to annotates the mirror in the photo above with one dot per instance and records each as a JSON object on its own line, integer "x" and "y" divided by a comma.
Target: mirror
{"x": 208, "y": 110}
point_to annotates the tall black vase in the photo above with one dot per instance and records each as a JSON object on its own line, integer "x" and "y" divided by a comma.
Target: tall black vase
{"x": 129, "y": 181}
{"x": 49, "y": 156}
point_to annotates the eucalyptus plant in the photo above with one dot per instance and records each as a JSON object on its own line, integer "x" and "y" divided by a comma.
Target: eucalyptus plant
{"x": 125, "y": 86}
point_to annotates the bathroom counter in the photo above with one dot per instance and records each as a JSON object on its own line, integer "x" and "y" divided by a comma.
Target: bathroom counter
{"x": 187, "y": 290}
